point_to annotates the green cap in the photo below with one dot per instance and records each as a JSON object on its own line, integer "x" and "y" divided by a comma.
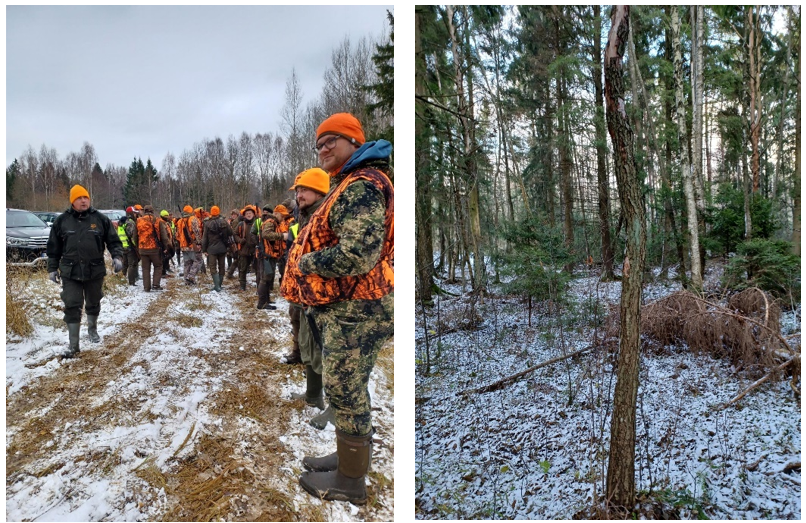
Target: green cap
{"x": 164, "y": 213}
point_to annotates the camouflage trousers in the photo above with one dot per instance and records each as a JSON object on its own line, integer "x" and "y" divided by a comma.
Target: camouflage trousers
{"x": 309, "y": 350}
{"x": 352, "y": 334}
{"x": 193, "y": 261}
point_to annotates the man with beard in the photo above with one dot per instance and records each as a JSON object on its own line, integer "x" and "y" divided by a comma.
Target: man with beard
{"x": 342, "y": 264}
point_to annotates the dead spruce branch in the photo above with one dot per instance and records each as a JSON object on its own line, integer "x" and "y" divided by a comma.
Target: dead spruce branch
{"x": 505, "y": 381}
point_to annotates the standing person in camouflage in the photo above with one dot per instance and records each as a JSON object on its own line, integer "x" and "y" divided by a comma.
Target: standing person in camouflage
{"x": 75, "y": 251}
{"x": 310, "y": 186}
{"x": 190, "y": 238}
{"x": 151, "y": 238}
{"x": 165, "y": 216}
{"x": 232, "y": 257}
{"x": 282, "y": 212}
{"x": 215, "y": 237}
{"x": 134, "y": 255}
{"x": 246, "y": 243}
{"x": 343, "y": 266}
{"x": 270, "y": 248}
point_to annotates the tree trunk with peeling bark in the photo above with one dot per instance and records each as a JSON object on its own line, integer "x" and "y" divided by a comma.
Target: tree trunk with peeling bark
{"x": 621, "y": 463}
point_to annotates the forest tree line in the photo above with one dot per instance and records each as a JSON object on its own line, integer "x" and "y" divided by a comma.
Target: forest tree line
{"x": 512, "y": 147}
{"x": 226, "y": 172}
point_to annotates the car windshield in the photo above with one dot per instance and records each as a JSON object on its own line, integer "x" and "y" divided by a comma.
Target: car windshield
{"x": 23, "y": 219}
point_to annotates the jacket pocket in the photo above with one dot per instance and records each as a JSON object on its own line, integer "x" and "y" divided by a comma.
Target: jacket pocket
{"x": 67, "y": 268}
{"x": 97, "y": 269}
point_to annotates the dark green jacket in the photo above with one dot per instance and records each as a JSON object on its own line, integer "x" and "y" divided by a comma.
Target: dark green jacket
{"x": 77, "y": 241}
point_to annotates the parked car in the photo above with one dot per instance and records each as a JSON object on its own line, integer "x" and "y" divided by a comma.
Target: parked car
{"x": 113, "y": 215}
{"x": 47, "y": 216}
{"x": 26, "y": 238}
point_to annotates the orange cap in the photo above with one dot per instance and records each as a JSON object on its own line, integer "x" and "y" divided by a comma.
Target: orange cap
{"x": 315, "y": 179}
{"x": 188, "y": 209}
{"x": 214, "y": 210}
{"x": 343, "y": 124}
{"x": 281, "y": 209}
{"x": 138, "y": 207}
{"x": 77, "y": 192}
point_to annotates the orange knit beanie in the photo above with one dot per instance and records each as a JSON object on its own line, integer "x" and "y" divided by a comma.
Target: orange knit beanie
{"x": 77, "y": 192}
{"x": 343, "y": 124}
{"x": 214, "y": 210}
{"x": 315, "y": 179}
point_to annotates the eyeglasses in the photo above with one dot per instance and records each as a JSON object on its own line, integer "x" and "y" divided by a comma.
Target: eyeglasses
{"x": 327, "y": 144}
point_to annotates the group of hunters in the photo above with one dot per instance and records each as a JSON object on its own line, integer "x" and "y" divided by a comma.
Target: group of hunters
{"x": 333, "y": 247}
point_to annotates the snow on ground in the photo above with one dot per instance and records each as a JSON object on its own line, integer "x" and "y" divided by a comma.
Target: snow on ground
{"x": 182, "y": 377}
{"x": 537, "y": 448}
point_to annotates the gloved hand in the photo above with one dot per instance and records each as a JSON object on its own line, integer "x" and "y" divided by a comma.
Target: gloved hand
{"x": 54, "y": 277}
{"x": 117, "y": 264}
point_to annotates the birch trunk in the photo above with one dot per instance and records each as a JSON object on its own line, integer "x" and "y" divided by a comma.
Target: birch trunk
{"x": 685, "y": 164}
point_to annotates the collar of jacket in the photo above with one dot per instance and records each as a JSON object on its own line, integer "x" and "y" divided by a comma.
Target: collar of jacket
{"x": 377, "y": 150}
{"x": 70, "y": 210}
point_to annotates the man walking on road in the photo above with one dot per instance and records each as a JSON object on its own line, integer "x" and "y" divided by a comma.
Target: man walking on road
{"x": 75, "y": 252}
{"x": 343, "y": 266}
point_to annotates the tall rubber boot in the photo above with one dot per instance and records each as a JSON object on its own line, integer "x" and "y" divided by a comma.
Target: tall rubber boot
{"x": 262, "y": 296}
{"x": 73, "y": 330}
{"x": 313, "y": 389}
{"x": 92, "y": 329}
{"x": 329, "y": 462}
{"x": 348, "y": 481}
{"x": 321, "y": 420}
{"x": 217, "y": 282}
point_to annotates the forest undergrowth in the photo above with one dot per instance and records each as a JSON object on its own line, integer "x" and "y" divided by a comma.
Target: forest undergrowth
{"x": 537, "y": 446}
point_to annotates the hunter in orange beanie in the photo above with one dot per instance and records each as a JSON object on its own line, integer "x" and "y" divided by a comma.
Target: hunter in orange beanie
{"x": 341, "y": 265}
{"x": 214, "y": 210}
{"x": 77, "y": 192}
{"x": 315, "y": 179}
{"x": 342, "y": 124}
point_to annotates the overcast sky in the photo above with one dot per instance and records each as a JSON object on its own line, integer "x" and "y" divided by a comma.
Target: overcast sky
{"x": 147, "y": 80}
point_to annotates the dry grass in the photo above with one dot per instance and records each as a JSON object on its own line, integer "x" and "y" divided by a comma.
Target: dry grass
{"x": 746, "y": 334}
{"x": 17, "y": 321}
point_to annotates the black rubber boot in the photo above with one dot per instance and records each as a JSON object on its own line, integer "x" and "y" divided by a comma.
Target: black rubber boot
{"x": 313, "y": 390}
{"x": 347, "y": 482}
{"x": 92, "y": 329}
{"x": 74, "y": 331}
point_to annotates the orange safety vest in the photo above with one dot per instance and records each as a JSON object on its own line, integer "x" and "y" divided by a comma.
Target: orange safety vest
{"x": 182, "y": 226}
{"x": 312, "y": 289}
{"x": 275, "y": 248}
{"x": 148, "y": 230}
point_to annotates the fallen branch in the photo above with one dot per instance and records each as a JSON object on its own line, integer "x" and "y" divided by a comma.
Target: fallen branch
{"x": 759, "y": 382}
{"x": 502, "y": 382}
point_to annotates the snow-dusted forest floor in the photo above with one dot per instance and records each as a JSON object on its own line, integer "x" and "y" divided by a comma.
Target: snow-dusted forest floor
{"x": 537, "y": 448}
{"x": 182, "y": 412}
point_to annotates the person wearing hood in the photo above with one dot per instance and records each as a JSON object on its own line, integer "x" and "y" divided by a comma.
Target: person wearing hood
{"x": 342, "y": 264}
{"x": 75, "y": 251}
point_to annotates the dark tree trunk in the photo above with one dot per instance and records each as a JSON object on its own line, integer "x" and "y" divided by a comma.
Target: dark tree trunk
{"x": 601, "y": 152}
{"x": 425, "y": 252}
{"x": 621, "y": 464}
